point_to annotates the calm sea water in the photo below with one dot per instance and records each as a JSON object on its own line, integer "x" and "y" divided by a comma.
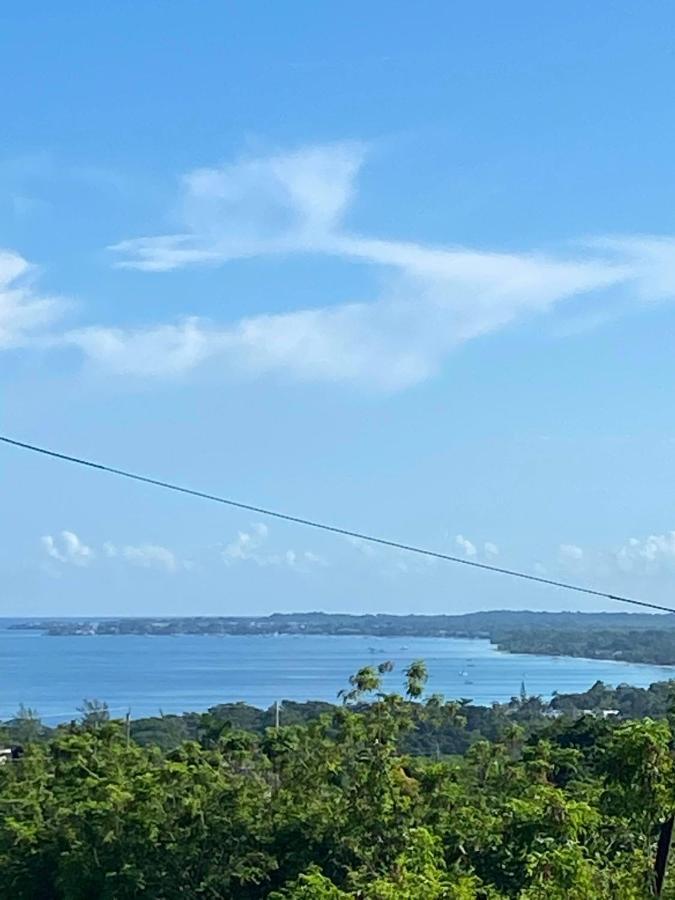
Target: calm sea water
{"x": 177, "y": 674}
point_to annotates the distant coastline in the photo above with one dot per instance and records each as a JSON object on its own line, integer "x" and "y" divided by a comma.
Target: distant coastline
{"x": 627, "y": 637}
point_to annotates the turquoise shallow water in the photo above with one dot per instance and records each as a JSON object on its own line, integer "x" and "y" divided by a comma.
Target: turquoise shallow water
{"x": 146, "y": 674}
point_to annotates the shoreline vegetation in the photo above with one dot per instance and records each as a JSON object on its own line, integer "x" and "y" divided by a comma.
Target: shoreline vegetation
{"x": 444, "y": 735}
{"x": 624, "y": 637}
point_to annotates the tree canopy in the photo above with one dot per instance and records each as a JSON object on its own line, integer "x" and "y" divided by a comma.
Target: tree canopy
{"x": 336, "y": 808}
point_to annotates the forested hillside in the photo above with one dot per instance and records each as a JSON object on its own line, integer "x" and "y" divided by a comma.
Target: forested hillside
{"x": 338, "y": 808}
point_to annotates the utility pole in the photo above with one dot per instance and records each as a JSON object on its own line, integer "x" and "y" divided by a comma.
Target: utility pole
{"x": 277, "y": 709}
{"x": 662, "y": 854}
{"x": 127, "y": 725}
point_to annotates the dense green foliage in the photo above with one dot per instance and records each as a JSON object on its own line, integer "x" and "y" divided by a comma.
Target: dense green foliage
{"x": 644, "y": 645}
{"x": 430, "y": 736}
{"x": 335, "y": 808}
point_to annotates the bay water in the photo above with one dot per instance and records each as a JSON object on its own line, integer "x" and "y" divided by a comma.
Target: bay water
{"x": 146, "y": 674}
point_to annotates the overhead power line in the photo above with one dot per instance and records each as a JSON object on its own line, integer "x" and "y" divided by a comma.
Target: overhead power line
{"x": 334, "y": 529}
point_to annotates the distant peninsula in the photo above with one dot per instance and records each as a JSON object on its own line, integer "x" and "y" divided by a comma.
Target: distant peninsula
{"x": 627, "y": 637}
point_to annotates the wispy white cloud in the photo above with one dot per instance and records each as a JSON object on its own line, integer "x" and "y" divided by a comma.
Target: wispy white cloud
{"x": 466, "y": 546}
{"x": 433, "y": 298}
{"x": 247, "y": 544}
{"x": 252, "y": 546}
{"x": 303, "y": 560}
{"x": 364, "y": 547}
{"x": 648, "y": 263}
{"x": 278, "y": 204}
{"x": 24, "y": 312}
{"x": 359, "y": 343}
{"x": 472, "y": 550}
{"x": 571, "y": 553}
{"x": 146, "y": 555}
{"x": 161, "y": 351}
{"x": 68, "y": 548}
{"x": 390, "y": 561}
{"x": 647, "y": 555}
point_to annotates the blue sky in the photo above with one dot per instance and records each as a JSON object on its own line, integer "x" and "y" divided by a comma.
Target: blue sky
{"x": 410, "y": 271}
